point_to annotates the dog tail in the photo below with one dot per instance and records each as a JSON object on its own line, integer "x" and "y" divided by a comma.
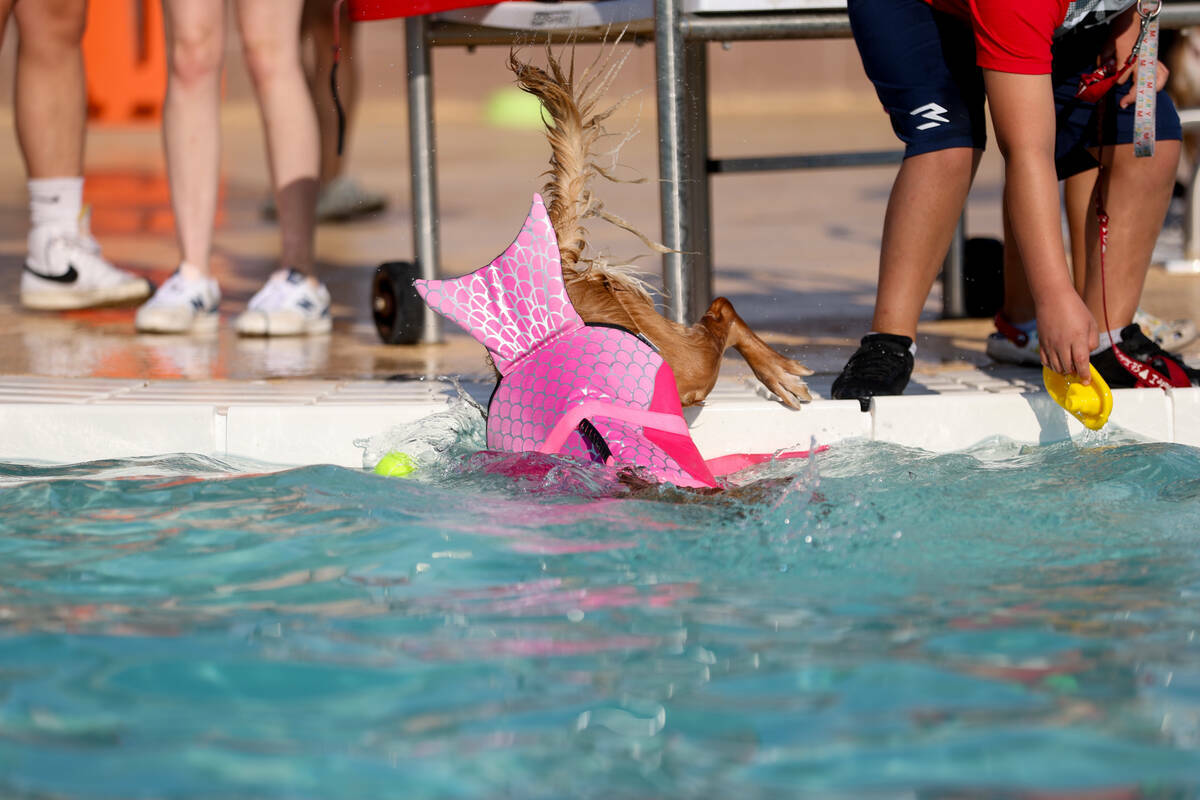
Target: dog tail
{"x": 573, "y": 126}
{"x": 517, "y": 302}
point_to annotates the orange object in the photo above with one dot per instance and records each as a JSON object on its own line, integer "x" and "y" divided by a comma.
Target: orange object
{"x": 126, "y": 57}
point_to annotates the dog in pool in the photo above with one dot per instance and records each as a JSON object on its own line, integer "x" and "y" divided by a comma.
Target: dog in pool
{"x": 587, "y": 367}
{"x": 574, "y": 122}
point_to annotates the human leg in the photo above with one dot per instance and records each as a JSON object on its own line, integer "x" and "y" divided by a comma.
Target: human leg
{"x": 340, "y": 197}
{"x": 1170, "y": 334}
{"x": 1080, "y": 204}
{"x": 1135, "y": 193}
{"x": 1015, "y": 339}
{"x": 922, "y": 64}
{"x": 50, "y": 102}
{"x": 271, "y": 42}
{"x": 318, "y": 26}
{"x": 195, "y": 31}
{"x": 64, "y": 268}
{"x": 293, "y": 301}
{"x": 5, "y": 11}
{"x": 926, "y": 201}
{"x": 191, "y": 137}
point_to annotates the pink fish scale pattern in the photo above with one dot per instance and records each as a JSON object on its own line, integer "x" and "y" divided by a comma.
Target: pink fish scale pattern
{"x": 514, "y": 303}
{"x": 595, "y": 363}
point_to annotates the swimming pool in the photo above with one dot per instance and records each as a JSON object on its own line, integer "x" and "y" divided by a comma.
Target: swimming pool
{"x": 878, "y": 622}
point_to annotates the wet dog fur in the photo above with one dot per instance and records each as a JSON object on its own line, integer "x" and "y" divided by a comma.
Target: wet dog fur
{"x": 605, "y": 294}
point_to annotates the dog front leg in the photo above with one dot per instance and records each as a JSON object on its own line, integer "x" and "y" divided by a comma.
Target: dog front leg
{"x": 781, "y": 375}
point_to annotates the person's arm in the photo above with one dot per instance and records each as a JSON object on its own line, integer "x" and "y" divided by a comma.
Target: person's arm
{"x": 1022, "y": 108}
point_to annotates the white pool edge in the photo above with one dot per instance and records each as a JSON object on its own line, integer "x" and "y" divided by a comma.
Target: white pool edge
{"x": 317, "y": 422}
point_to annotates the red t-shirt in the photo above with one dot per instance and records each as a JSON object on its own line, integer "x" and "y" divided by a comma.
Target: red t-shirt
{"x": 1010, "y": 35}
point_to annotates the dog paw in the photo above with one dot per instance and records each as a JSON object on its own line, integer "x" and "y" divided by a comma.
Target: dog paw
{"x": 786, "y": 381}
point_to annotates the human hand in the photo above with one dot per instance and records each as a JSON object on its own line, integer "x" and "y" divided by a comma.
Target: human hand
{"x": 1125, "y": 31}
{"x": 1159, "y": 82}
{"x": 1067, "y": 335}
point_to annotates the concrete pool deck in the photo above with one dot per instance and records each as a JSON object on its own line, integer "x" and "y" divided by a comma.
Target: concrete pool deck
{"x": 796, "y": 252}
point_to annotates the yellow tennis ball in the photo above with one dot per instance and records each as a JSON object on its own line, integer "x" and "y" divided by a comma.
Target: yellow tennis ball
{"x": 513, "y": 108}
{"x": 395, "y": 465}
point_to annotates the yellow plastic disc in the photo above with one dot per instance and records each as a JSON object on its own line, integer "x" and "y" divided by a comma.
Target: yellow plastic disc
{"x": 1089, "y": 404}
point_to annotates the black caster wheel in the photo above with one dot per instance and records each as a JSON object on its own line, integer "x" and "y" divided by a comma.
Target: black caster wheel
{"x": 398, "y": 310}
{"x": 983, "y": 276}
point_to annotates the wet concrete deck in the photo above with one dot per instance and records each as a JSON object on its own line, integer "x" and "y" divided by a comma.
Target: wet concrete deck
{"x": 795, "y": 251}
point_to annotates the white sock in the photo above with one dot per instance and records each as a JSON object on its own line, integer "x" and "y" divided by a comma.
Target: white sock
{"x": 912, "y": 348}
{"x": 55, "y": 202}
{"x": 1108, "y": 339}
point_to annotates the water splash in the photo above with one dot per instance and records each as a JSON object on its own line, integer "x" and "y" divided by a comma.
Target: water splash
{"x": 432, "y": 442}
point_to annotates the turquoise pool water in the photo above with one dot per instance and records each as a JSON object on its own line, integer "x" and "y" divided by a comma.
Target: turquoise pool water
{"x": 879, "y": 622}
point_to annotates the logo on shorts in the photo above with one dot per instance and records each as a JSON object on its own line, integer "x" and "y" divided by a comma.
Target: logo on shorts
{"x": 932, "y": 112}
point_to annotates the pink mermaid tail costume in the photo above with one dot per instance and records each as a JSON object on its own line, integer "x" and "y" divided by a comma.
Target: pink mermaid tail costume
{"x": 595, "y": 392}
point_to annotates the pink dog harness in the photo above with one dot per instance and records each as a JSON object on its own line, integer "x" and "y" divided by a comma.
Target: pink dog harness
{"x": 595, "y": 392}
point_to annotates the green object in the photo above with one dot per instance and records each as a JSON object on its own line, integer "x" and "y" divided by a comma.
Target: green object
{"x": 513, "y": 108}
{"x": 395, "y": 465}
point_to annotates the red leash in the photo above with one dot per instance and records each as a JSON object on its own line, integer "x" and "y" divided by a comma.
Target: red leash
{"x": 1145, "y": 374}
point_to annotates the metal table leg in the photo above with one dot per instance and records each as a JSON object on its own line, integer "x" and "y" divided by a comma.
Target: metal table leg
{"x": 954, "y": 295}
{"x": 697, "y": 181}
{"x": 677, "y": 154}
{"x": 422, "y": 157}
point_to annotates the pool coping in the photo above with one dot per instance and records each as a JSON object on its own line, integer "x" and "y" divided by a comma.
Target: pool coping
{"x": 302, "y": 422}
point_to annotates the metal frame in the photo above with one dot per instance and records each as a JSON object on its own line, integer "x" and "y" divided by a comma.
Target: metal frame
{"x": 685, "y": 166}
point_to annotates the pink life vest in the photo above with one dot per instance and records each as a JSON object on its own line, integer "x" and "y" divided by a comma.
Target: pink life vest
{"x": 594, "y": 392}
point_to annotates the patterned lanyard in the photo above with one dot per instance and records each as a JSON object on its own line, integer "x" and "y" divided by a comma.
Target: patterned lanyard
{"x": 1145, "y": 77}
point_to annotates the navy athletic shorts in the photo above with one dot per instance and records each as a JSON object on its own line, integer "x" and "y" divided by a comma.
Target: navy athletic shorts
{"x": 922, "y": 63}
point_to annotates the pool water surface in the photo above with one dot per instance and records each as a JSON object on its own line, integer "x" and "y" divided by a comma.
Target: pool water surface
{"x": 1008, "y": 621}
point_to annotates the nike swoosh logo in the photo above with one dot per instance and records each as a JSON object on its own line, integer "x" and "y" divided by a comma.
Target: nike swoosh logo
{"x": 70, "y": 276}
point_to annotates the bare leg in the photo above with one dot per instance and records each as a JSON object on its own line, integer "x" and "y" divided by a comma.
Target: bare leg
{"x": 271, "y": 41}
{"x": 1137, "y": 193}
{"x": 5, "y": 9}
{"x": 1080, "y": 204}
{"x": 191, "y": 121}
{"x": 63, "y": 267}
{"x": 923, "y": 210}
{"x": 51, "y": 95}
{"x": 318, "y": 25}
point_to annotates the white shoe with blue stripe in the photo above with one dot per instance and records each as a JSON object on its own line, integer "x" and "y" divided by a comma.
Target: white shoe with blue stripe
{"x": 289, "y": 304}
{"x": 183, "y": 304}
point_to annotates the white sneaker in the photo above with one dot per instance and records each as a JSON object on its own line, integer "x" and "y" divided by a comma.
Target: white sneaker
{"x": 64, "y": 270}
{"x": 289, "y": 304}
{"x": 1171, "y": 335}
{"x": 181, "y": 305}
{"x": 1010, "y": 345}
